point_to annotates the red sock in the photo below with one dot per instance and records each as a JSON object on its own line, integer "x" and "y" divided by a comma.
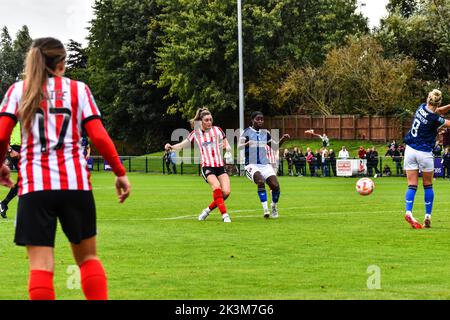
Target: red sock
{"x": 40, "y": 285}
{"x": 93, "y": 280}
{"x": 220, "y": 203}
{"x": 213, "y": 205}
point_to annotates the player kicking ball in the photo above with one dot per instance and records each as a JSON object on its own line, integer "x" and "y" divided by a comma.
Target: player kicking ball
{"x": 211, "y": 141}
{"x": 420, "y": 141}
{"x": 258, "y": 167}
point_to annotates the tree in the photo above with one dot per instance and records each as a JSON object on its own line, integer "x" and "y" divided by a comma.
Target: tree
{"x": 6, "y": 62}
{"x": 424, "y": 35}
{"x": 406, "y": 8}
{"x": 354, "y": 79}
{"x": 77, "y": 61}
{"x": 122, "y": 72}
{"x": 12, "y": 56}
{"x": 198, "y": 59}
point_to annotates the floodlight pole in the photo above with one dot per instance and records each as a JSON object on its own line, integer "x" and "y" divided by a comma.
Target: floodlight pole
{"x": 241, "y": 68}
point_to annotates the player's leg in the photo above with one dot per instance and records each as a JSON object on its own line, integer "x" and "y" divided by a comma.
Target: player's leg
{"x": 259, "y": 180}
{"x": 12, "y": 192}
{"x": 35, "y": 229}
{"x": 427, "y": 178}
{"x": 41, "y": 261}
{"x": 205, "y": 172}
{"x": 411, "y": 166}
{"x": 93, "y": 276}
{"x": 413, "y": 180}
{"x": 77, "y": 215}
{"x": 274, "y": 186}
{"x": 214, "y": 182}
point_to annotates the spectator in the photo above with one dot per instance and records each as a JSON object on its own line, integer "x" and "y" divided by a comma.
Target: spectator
{"x": 332, "y": 160}
{"x": 296, "y": 161}
{"x": 173, "y": 160}
{"x": 401, "y": 148}
{"x": 288, "y": 158}
{"x": 369, "y": 162}
{"x": 393, "y": 145}
{"x": 446, "y": 164}
{"x": 387, "y": 171}
{"x": 362, "y": 152}
{"x": 343, "y": 154}
{"x": 310, "y": 161}
{"x": 325, "y": 163}
{"x": 302, "y": 163}
{"x": 166, "y": 159}
{"x": 398, "y": 159}
{"x": 389, "y": 152}
{"x": 317, "y": 162}
{"x": 375, "y": 162}
{"x": 437, "y": 150}
{"x": 446, "y": 138}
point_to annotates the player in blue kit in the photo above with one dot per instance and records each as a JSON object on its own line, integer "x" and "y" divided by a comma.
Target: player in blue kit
{"x": 420, "y": 141}
{"x": 255, "y": 141}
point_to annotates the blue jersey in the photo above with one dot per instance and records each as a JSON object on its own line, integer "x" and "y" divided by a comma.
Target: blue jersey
{"x": 257, "y": 152}
{"x": 422, "y": 136}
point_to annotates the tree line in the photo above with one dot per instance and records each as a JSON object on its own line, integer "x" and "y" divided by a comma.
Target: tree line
{"x": 152, "y": 63}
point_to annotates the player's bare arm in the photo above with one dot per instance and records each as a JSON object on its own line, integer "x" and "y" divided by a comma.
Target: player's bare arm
{"x": 282, "y": 140}
{"x": 178, "y": 146}
{"x": 443, "y": 110}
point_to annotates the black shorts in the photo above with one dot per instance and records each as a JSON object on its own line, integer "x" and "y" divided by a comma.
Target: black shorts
{"x": 217, "y": 171}
{"x": 37, "y": 215}
{"x": 14, "y": 161}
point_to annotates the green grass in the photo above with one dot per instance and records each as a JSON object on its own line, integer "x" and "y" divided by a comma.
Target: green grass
{"x": 326, "y": 237}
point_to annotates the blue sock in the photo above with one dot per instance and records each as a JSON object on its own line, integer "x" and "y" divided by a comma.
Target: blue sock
{"x": 409, "y": 199}
{"x": 262, "y": 195}
{"x": 429, "y": 198}
{"x": 276, "y": 195}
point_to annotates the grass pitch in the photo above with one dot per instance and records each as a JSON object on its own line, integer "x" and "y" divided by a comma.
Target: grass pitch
{"x": 321, "y": 247}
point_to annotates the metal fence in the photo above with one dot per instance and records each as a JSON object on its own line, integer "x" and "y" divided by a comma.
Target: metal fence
{"x": 156, "y": 165}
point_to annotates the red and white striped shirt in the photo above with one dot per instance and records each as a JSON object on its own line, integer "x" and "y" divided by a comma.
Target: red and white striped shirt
{"x": 271, "y": 155}
{"x": 51, "y": 156}
{"x": 210, "y": 144}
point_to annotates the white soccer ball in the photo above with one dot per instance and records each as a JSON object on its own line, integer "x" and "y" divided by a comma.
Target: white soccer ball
{"x": 365, "y": 186}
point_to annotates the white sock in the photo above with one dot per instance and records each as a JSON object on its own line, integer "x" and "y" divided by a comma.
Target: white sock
{"x": 265, "y": 206}
{"x": 428, "y": 216}
{"x": 274, "y": 205}
{"x": 409, "y": 213}
{"x": 207, "y": 210}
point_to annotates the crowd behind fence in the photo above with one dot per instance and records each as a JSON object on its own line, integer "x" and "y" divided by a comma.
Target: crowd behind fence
{"x": 381, "y": 166}
{"x": 292, "y": 162}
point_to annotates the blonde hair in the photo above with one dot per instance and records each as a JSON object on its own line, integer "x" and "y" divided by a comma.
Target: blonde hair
{"x": 200, "y": 114}
{"x": 435, "y": 98}
{"x": 41, "y": 61}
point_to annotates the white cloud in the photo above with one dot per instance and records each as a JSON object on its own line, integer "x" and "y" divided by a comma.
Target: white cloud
{"x": 62, "y": 19}
{"x": 374, "y": 10}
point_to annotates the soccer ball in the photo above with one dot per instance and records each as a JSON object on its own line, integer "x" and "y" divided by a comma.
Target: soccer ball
{"x": 365, "y": 186}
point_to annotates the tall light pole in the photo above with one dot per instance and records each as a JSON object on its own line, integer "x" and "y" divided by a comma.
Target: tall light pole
{"x": 241, "y": 68}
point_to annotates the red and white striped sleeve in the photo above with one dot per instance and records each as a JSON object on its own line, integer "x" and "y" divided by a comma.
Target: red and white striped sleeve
{"x": 89, "y": 108}
{"x": 191, "y": 136}
{"x": 10, "y": 103}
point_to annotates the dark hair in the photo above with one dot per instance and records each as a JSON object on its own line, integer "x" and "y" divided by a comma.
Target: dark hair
{"x": 255, "y": 114}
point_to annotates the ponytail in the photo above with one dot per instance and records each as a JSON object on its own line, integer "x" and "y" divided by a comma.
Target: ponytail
{"x": 199, "y": 116}
{"x": 35, "y": 78}
{"x": 41, "y": 61}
